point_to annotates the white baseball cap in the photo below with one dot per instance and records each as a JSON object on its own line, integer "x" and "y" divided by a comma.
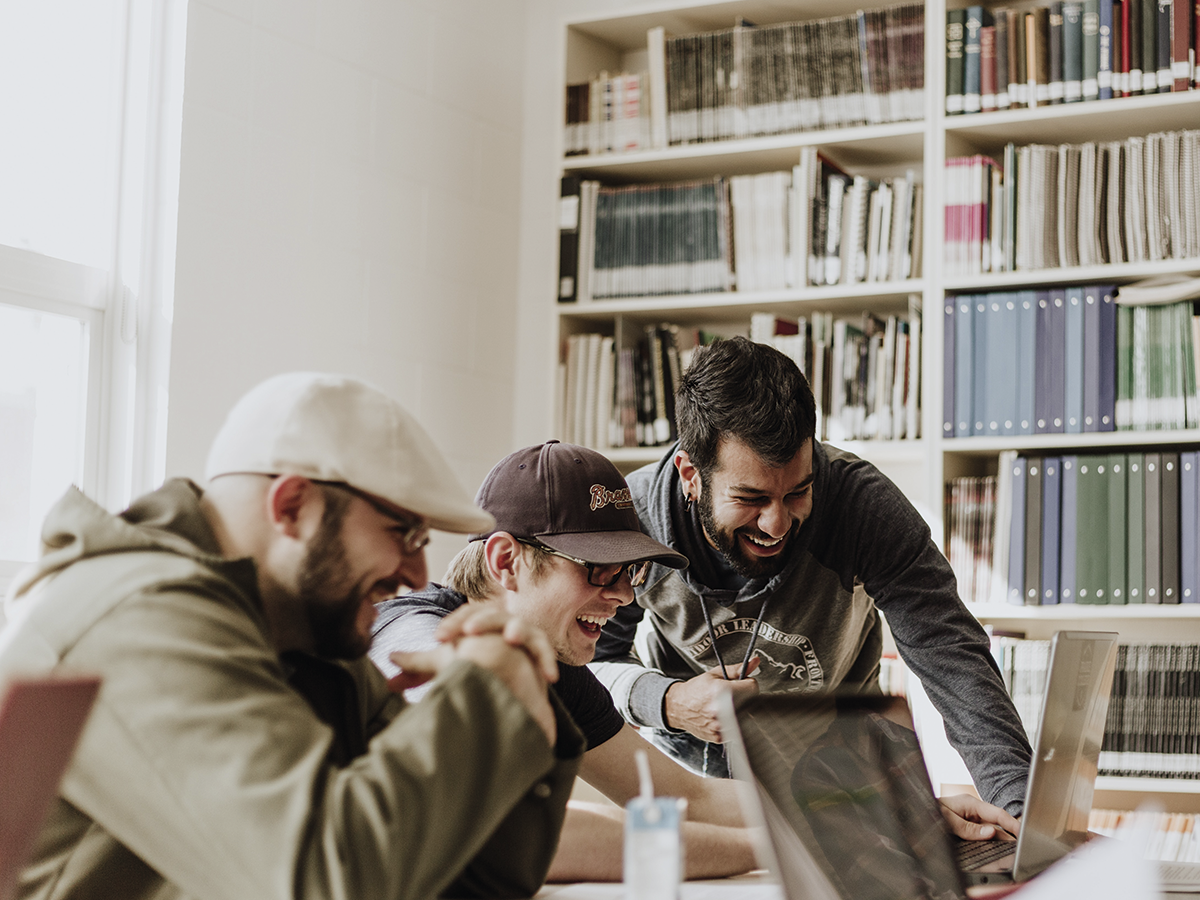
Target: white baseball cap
{"x": 337, "y": 428}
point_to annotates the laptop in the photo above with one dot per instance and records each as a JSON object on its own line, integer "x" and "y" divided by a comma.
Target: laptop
{"x": 40, "y": 723}
{"x": 840, "y": 785}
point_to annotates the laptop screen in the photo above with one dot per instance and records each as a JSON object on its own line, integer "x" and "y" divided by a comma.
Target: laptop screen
{"x": 847, "y": 777}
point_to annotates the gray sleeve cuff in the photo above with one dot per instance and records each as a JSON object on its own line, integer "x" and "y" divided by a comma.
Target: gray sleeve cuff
{"x": 647, "y": 699}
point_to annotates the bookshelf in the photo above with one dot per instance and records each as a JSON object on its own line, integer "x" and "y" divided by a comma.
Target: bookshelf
{"x": 880, "y": 150}
{"x": 921, "y": 466}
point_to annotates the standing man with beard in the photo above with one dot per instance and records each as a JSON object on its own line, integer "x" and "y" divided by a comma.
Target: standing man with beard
{"x": 794, "y": 547}
{"x": 242, "y": 744}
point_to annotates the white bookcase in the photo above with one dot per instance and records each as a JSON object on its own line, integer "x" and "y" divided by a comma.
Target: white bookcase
{"x": 921, "y": 467}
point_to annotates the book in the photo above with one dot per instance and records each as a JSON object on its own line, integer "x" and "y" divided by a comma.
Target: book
{"x": 1018, "y": 88}
{"x": 1003, "y": 97}
{"x": 1051, "y": 529}
{"x": 964, "y": 362}
{"x": 805, "y": 176}
{"x": 1117, "y": 526}
{"x": 1015, "y": 580}
{"x": 1163, "y": 45}
{"x": 606, "y": 384}
{"x": 1002, "y": 355}
{"x": 1068, "y": 523}
{"x": 1120, "y": 41}
{"x": 1091, "y": 49}
{"x": 1189, "y": 527}
{"x": 1152, "y": 512}
{"x": 949, "y": 366}
{"x": 1002, "y": 529}
{"x": 1092, "y": 363}
{"x": 1074, "y": 362}
{"x": 987, "y": 68}
{"x": 1149, "y": 46}
{"x": 1107, "y": 364}
{"x": 835, "y": 194}
{"x": 1026, "y": 361}
{"x": 568, "y": 239}
{"x": 956, "y": 26}
{"x": 1169, "y": 525}
{"x": 656, "y": 56}
{"x": 1135, "y": 511}
{"x": 587, "y": 405}
{"x": 1050, "y": 369}
{"x": 1091, "y": 558}
{"x": 1054, "y": 52}
{"x": 913, "y": 384}
{"x": 1104, "y": 59}
{"x": 982, "y": 321}
{"x": 1132, "y": 15}
{"x": 1037, "y": 54}
{"x": 972, "y": 64}
{"x": 1033, "y": 531}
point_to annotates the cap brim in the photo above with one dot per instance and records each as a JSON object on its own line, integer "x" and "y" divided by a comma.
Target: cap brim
{"x": 613, "y": 547}
{"x": 457, "y": 518}
{"x": 464, "y": 519}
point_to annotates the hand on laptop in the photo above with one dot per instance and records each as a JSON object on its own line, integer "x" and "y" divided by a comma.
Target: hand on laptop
{"x": 973, "y": 820}
{"x": 691, "y": 705}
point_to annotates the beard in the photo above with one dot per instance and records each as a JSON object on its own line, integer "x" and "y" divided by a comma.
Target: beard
{"x": 727, "y": 542}
{"x": 326, "y": 591}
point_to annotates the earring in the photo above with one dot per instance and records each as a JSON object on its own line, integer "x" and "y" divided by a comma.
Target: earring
{"x": 688, "y": 500}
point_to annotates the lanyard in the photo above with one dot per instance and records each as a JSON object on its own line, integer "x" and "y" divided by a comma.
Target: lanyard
{"x": 712, "y": 636}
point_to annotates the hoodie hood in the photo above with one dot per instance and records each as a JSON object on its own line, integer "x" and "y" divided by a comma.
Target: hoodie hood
{"x": 168, "y": 519}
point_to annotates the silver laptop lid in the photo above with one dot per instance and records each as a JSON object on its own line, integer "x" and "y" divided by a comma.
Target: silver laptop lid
{"x": 1062, "y": 779}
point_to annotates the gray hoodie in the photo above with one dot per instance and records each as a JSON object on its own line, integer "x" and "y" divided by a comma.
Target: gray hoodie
{"x": 864, "y": 548}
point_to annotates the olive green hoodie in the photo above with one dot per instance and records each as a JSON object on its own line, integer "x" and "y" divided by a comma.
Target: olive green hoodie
{"x": 207, "y": 768}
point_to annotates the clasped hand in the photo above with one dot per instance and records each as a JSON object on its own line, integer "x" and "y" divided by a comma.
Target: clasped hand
{"x": 513, "y": 650}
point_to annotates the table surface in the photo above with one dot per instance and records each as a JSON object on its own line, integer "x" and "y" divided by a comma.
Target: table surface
{"x": 756, "y": 885}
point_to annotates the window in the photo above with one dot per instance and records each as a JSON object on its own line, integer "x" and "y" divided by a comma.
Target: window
{"x": 89, "y": 98}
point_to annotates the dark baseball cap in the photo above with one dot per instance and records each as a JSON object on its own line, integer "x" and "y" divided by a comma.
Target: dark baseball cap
{"x": 570, "y": 499}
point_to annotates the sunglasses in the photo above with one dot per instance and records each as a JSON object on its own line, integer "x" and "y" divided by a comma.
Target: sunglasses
{"x": 601, "y": 574}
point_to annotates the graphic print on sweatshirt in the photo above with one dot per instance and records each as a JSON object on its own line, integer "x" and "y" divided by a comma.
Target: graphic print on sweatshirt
{"x": 787, "y": 662}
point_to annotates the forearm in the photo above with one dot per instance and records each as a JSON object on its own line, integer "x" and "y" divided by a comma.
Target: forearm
{"x": 718, "y": 803}
{"x": 637, "y": 691}
{"x": 953, "y": 660}
{"x": 591, "y": 847}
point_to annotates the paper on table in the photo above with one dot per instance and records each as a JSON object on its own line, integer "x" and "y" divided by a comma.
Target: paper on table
{"x": 1102, "y": 869}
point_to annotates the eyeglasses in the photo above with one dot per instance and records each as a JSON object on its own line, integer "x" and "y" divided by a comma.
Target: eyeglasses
{"x": 414, "y": 535}
{"x": 602, "y": 574}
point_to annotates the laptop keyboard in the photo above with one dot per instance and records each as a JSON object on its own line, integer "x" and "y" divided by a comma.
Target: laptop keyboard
{"x": 973, "y": 854}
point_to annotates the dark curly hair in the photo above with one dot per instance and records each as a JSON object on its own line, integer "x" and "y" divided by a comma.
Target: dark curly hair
{"x": 749, "y": 391}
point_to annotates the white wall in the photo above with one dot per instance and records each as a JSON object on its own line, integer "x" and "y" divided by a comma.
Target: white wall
{"x": 349, "y": 191}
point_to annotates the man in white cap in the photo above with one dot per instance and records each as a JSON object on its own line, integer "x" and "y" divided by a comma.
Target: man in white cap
{"x": 242, "y": 745}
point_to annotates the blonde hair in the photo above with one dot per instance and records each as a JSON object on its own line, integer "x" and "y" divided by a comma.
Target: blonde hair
{"x": 468, "y": 571}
